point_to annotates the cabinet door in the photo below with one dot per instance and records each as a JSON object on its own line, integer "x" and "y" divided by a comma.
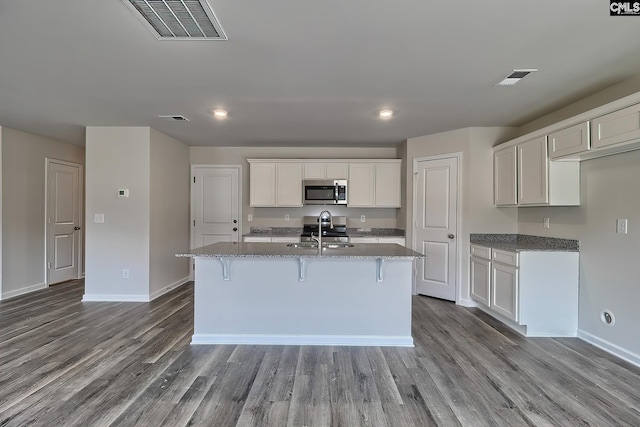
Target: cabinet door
{"x": 533, "y": 172}
{"x": 262, "y": 188}
{"x": 285, "y": 239}
{"x": 481, "y": 280}
{"x": 257, "y": 239}
{"x": 619, "y": 126}
{"x": 361, "y": 186}
{"x": 504, "y": 177}
{"x": 504, "y": 285}
{"x": 337, "y": 170}
{"x": 289, "y": 184}
{"x": 314, "y": 170}
{"x": 387, "y": 185}
{"x": 568, "y": 141}
{"x": 363, "y": 239}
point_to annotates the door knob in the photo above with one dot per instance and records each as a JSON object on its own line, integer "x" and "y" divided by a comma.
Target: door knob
{"x": 235, "y": 228}
{"x": 451, "y": 236}
{"x": 76, "y": 228}
{"x": 235, "y": 221}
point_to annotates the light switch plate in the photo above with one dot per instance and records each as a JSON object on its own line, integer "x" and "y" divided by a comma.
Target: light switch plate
{"x": 98, "y": 218}
{"x": 621, "y": 225}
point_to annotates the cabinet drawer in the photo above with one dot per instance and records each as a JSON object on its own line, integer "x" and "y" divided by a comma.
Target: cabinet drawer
{"x": 481, "y": 251}
{"x": 285, "y": 239}
{"x": 505, "y": 257}
{"x": 257, "y": 239}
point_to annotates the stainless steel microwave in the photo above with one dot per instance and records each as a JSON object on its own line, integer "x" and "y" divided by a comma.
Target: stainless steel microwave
{"x": 324, "y": 191}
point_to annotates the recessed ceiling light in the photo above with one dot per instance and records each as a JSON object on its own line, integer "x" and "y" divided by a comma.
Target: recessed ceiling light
{"x": 516, "y": 76}
{"x": 220, "y": 114}
{"x": 385, "y": 114}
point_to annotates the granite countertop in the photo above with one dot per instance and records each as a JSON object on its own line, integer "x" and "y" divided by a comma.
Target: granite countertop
{"x": 281, "y": 250}
{"x": 296, "y": 231}
{"x": 524, "y": 242}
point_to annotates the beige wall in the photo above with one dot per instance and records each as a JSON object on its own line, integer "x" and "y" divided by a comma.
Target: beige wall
{"x": 117, "y": 157}
{"x": 169, "y": 222}
{"x": 23, "y": 207}
{"x": 476, "y": 174}
{"x": 274, "y": 217}
{"x": 141, "y": 233}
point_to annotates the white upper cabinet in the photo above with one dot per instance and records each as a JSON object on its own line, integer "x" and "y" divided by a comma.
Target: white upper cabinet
{"x": 375, "y": 184}
{"x": 617, "y": 127}
{"x": 361, "y": 184}
{"x": 289, "y": 184}
{"x": 262, "y": 184}
{"x": 314, "y": 171}
{"x": 573, "y": 140}
{"x": 524, "y": 176}
{"x": 387, "y": 185}
{"x": 533, "y": 176}
{"x": 275, "y": 184}
{"x": 337, "y": 170}
{"x": 371, "y": 183}
{"x": 326, "y": 170}
{"x": 504, "y": 177}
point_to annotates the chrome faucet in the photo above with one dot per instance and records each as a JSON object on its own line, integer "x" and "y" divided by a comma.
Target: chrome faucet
{"x": 319, "y": 238}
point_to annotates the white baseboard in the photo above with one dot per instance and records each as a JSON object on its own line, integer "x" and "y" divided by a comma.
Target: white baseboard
{"x": 114, "y": 298}
{"x": 168, "y": 288}
{"x": 330, "y": 340}
{"x": 467, "y": 302}
{"x": 22, "y": 291}
{"x": 611, "y": 348}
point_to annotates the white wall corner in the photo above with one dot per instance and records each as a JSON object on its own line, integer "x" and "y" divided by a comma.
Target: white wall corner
{"x": 168, "y": 288}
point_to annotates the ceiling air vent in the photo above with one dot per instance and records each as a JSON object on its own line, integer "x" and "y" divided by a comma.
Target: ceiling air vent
{"x": 175, "y": 118}
{"x": 178, "y": 19}
{"x": 516, "y": 76}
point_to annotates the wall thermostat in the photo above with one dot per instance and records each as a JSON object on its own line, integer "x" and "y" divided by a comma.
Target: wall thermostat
{"x": 123, "y": 192}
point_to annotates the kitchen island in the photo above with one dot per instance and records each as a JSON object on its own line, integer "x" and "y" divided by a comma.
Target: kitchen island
{"x": 274, "y": 293}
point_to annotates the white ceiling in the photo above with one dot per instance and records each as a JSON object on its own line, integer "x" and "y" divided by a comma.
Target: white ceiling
{"x": 302, "y": 72}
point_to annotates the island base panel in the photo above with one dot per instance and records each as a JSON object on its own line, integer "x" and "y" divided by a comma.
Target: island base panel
{"x": 340, "y": 302}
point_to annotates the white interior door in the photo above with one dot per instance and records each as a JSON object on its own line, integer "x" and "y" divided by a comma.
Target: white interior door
{"x": 436, "y": 223}
{"x": 215, "y": 205}
{"x": 64, "y": 238}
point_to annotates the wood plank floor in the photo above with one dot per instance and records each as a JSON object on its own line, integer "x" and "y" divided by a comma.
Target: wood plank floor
{"x": 68, "y": 363}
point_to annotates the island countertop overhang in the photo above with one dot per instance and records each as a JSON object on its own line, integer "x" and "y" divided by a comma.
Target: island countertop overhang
{"x": 281, "y": 250}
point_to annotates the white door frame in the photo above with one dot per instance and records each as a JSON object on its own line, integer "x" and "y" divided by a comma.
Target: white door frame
{"x": 80, "y": 237}
{"x": 192, "y": 204}
{"x": 458, "y": 156}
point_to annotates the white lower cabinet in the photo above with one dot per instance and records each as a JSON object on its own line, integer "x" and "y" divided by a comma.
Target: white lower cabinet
{"x": 258, "y": 239}
{"x": 533, "y": 292}
{"x": 398, "y": 240}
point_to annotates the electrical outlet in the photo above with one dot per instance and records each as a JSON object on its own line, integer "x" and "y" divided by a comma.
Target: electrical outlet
{"x": 125, "y": 273}
{"x": 249, "y": 217}
{"x": 362, "y": 218}
{"x": 621, "y": 225}
{"x": 545, "y": 222}
{"x": 286, "y": 217}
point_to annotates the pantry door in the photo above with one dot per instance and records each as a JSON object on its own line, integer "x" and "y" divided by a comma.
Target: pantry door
{"x": 216, "y": 212}
{"x": 436, "y": 225}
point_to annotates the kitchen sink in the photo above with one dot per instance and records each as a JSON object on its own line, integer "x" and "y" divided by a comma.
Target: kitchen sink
{"x": 303, "y": 245}
{"x": 324, "y": 245}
